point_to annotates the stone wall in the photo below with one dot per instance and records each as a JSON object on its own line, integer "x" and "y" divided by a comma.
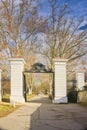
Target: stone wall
{"x": 82, "y": 96}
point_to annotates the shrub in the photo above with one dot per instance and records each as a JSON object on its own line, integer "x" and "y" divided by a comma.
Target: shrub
{"x": 85, "y": 87}
{"x": 50, "y": 97}
{"x": 72, "y": 96}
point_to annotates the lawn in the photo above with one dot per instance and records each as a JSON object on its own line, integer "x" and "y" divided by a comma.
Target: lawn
{"x": 5, "y": 106}
{"x": 6, "y": 109}
{"x": 83, "y": 104}
{"x": 29, "y": 96}
{"x": 6, "y": 98}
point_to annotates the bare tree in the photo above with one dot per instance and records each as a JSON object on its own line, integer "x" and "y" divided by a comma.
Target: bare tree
{"x": 63, "y": 39}
{"x": 19, "y": 22}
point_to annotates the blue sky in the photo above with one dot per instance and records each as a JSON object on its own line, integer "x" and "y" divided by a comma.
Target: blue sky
{"x": 78, "y": 8}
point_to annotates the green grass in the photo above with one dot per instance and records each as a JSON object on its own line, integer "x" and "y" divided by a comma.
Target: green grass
{"x": 5, "y": 109}
{"x": 29, "y": 96}
{"x": 6, "y": 98}
{"x": 83, "y": 103}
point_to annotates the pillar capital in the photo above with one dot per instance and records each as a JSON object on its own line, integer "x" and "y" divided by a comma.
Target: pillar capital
{"x": 80, "y": 71}
{"x": 60, "y": 60}
{"x": 17, "y": 59}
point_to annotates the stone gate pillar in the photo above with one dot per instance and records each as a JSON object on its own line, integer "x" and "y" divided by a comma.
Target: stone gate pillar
{"x": 0, "y": 87}
{"x": 17, "y": 67}
{"x": 60, "y": 87}
{"x": 80, "y": 77}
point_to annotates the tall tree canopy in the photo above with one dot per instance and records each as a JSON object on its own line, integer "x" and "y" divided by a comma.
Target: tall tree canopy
{"x": 63, "y": 38}
{"x": 19, "y": 22}
{"x": 57, "y": 35}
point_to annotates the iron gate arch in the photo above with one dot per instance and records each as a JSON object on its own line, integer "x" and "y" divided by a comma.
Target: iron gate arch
{"x": 38, "y": 68}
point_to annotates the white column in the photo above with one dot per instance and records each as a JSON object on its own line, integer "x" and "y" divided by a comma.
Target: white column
{"x": 60, "y": 86}
{"x": 80, "y": 77}
{"x": 17, "y": 67}
{"x": 0, "y": 87}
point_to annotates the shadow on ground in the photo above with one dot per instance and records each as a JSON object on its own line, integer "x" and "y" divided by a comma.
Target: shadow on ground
{"x": 40, "y": 114}
{"x": 57, "y": 116}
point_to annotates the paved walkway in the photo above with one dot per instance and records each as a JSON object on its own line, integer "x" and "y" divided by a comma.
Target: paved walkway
{"x": 40, "y": 114}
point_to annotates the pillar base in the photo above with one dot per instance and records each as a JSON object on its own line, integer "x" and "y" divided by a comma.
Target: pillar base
{"x": 16, "y": 98}
{"x": 60, "y": 99}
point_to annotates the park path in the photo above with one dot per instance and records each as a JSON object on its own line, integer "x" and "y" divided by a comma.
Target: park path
{"x": 40, "y": 114}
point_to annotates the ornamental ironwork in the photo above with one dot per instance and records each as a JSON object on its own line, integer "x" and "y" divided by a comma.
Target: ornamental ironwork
{"x": 39, "y": 67}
